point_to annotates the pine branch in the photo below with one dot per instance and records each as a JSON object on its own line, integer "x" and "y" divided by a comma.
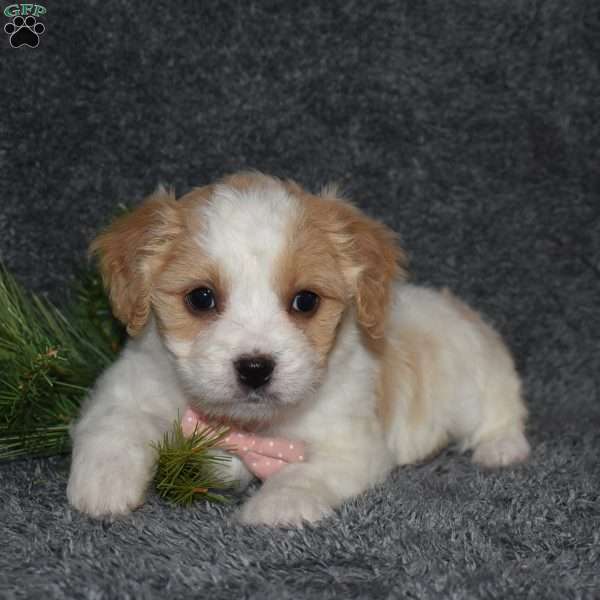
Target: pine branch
{"x": 47, "y": 364}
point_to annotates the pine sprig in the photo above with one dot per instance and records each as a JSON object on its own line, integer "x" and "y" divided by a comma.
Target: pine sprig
{"x": 188, "y": 466}
{"x": 47, "y": 363}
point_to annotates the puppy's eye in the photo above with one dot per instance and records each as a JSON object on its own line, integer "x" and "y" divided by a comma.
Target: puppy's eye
{"x": 305, "y": 302}
{"x": 201, "y": 299}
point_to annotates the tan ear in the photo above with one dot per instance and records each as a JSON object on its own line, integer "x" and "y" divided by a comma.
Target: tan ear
{"x": 131, "y": 252}
{"x": 371, "y": 259}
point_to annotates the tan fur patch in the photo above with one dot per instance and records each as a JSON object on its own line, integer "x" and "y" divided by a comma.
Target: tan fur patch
{"x": 406, "y": 374}
{"x": 309, "y": 263}
{"x": 345, "y": 257}
{"x": 367, "y": 255}
{"x": 192, "y": 200}
{"x": 403, "y": 365}
{"x": 246, "y": 180}
{"x": 187, "y": 268}
{"x": 137, "y": 248}
{"x": 132, "y": 251}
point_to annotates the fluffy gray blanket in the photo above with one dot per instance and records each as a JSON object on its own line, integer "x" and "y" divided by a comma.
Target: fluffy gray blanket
{"x": 470, "y": 127}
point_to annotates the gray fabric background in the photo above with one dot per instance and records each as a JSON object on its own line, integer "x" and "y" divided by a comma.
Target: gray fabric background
{"x": 470, "y": 127}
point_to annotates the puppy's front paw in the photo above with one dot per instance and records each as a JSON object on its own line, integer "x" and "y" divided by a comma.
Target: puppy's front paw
{"x": 233, "y": 470}
{"x": 109, "y": 483}
{"x": 285, "y": 506}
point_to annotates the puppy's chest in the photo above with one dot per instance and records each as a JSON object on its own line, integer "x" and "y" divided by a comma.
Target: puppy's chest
{"x": 325, "y": 431}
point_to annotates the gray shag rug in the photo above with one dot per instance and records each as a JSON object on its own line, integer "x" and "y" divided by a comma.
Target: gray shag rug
{"x": 470, "y": 127}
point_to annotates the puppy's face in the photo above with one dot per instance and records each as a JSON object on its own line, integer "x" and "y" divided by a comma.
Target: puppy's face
{"x": 248, "y": 281}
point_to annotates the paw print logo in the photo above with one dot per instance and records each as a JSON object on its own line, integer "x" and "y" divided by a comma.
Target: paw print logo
{"x": 24, "y": 32}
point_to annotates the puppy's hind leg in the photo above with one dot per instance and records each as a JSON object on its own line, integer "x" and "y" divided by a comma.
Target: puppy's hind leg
{"x": 507, "y": 448}
{"x": 500, "y": 440}
{"x": 496, "y": 434}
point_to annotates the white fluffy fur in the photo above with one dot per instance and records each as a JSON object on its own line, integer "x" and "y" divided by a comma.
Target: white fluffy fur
{"x": 469, "y": 391}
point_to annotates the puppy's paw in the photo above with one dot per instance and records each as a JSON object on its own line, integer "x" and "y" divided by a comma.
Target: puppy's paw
{"x": 285, "y": 507}
{"x": 109, "y": 483}
{"x": 232, "y": 470}
{"x": 502, "y": 451}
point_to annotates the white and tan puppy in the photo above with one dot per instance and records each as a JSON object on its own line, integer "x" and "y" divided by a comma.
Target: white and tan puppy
{"x": 286, "y": 313}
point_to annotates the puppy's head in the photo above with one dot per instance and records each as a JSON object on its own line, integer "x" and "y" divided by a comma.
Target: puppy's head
{"x": 248, "y": 280}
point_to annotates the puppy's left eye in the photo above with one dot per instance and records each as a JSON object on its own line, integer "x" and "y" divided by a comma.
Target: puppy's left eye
{"x": 305, "y": 302}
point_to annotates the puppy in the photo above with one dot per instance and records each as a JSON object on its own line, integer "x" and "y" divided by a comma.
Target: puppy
{"x": 285, "y": 313}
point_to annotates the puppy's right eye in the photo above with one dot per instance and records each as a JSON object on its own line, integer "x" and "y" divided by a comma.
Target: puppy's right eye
{"x": 201, "y": 299}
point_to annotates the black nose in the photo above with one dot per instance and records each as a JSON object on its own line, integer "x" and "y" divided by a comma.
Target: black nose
{"x": 254, "y": 371}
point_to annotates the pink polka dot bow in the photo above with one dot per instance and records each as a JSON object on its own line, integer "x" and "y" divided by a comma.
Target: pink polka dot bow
{"x": 263, "y": 456}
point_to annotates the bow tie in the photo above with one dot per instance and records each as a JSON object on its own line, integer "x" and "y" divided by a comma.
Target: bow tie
{"x": 263, "y": 456}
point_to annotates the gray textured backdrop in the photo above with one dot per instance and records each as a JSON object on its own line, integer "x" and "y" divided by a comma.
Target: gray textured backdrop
{"x": 470, "y": 127}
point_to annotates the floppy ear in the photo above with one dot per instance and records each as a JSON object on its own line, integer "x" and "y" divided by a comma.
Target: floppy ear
{"x": 371, "y": 259}
{"x": 131, "y": 252}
